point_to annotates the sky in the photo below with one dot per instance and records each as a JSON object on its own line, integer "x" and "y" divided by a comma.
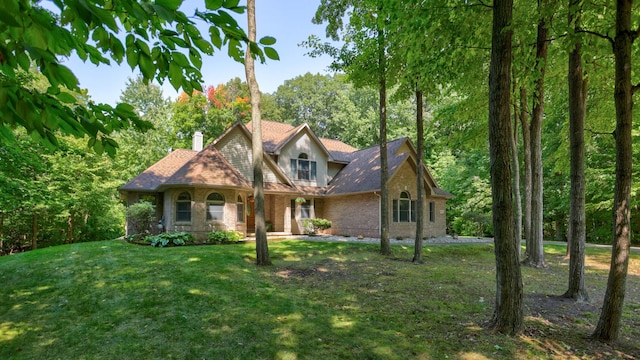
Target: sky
{"x": 289, "y": 21}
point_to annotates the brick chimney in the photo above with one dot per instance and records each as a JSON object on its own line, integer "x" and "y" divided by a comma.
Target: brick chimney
{"x": 197, "y": 141}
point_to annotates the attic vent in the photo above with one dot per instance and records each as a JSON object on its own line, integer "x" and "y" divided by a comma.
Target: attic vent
{"x": 197, "y": 141}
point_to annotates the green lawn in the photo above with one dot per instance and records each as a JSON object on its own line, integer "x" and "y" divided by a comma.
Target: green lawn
{"x": 114, "y": 300}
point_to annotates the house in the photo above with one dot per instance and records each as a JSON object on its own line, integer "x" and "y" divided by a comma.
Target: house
{"x": 210, "y": 188}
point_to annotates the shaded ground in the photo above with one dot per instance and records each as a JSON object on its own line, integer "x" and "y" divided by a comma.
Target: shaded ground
{"x": 555, "y": 326}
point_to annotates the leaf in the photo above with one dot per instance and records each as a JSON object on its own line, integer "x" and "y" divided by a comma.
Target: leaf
{"x": 67, "y": 76}
{"x": 170, "y": 4}
{"x": 229, "y": 4}
{"x": 271, "y": 53}
{"x": 213, "y": 4}
{"x": 67, "y": 98}
{"x": 7, "y": 9}
{"x": 196, "y": 58}
{"x": 205, "y": 46}
{"x": 132, "y": 57}
{"x": 268, "y": 40}
{"x": 180, "y": 59}
{"x": 146, "y": 66}
{"x": 98, "y": 147}
{"x": 175, "y": 75}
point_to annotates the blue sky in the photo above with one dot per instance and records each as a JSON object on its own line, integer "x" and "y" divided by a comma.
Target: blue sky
{"x": 289, "y": 21}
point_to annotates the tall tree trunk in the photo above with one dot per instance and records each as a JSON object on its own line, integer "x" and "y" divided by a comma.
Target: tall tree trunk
{"x": 611, "y": 314}
{"x": 526, "y": 150}
{"x": 508, "y": 313}
{"x": 417, "y": 254}
{"x": 385, "y": 246}
{"x": 517, "y": 221}
{"x": 70, "y": 229}
{"x": 34, "y": 231}
{"x": 577, "y": 221}
{"x": 536, "y": 253}
{"x": 1, "y": 231}
{"x": 262, "y": 246}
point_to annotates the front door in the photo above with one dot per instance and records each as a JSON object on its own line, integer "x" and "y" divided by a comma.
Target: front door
{"x": 251, "y": 216}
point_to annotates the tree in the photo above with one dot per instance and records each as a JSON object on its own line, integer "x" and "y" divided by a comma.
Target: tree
{"x": 417, "y": 253}
{"x": 137, "y": 151}
{"x": 577, "y": 98}
{"x": 608, "y": 325}
{"x": 262, "y": 246}
{"x": 536, "y": 252}
{"x": 364, "y": 59}
{"x": 508, "y": 313}
{"x": 156, "y": 38}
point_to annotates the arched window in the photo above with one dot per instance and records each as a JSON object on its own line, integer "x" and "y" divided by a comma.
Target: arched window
{"x": 240, "y": 209}
{"x": 404, "y": 209}
{"x": 302, "y": 168}
{"x": 183, "y": 207}
{"x": 215, "y": 207}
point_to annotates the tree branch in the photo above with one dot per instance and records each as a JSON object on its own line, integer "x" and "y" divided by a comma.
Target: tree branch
{"x": 635, "y": 88}
{"x": 596, "y": 34}
{"x": 598, "y": 132}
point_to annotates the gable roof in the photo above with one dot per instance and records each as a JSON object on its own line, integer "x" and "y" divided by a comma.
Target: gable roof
{"x": 362, "y": 174}
{"x": 208, "y": 167}
{"x": 338, "y": 150}
{"x": 158, "y": 173}
{"x": 276, "y": 135}
{"x": 267, "y": 160}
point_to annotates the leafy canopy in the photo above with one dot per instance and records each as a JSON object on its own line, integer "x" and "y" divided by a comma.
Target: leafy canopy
{"x": 154, "y": 37}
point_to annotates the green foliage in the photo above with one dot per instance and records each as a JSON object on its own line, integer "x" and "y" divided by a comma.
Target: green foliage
{"x": 311, "y": 226}
{"x": 224, "y": 236}
{"x": 170, "y": 238}
{"x": 157, "y": 39}
{"x": 66, "y": 195}
{"x": 136, "y": 150}
{"x": 141, "y": 216}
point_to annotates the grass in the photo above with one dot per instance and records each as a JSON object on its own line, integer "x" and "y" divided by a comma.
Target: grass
{"x": 114, "y": 300}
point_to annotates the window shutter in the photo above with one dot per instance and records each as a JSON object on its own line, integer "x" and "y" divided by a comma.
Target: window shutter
{"x": 395, "y": 210}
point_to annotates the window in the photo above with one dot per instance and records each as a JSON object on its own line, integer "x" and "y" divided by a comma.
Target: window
{"x": 404, "y": 209}
{"x": 215, "y": 207}
{"x": 240, "y": 209}
{"x": 183, "y": 207}
{"x": 302, "y": 168}
{"x": 432, "y": 211}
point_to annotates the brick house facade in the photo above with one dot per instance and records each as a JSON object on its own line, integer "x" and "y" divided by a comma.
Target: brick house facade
{"x": 210, "y": 188}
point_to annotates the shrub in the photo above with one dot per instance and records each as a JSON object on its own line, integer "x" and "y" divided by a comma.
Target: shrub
{"x": 311, "y": 226}
{"x": 140, "y": 217}
{"x": 224, "y": 236}
{"x": 174, "y": 238}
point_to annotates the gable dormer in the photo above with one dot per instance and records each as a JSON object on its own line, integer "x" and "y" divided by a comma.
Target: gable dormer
{"x": 304, "y": 159}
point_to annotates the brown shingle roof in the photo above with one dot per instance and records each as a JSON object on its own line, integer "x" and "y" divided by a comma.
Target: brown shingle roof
{"x": 275, "y": 135}
{"x": 158, "y": 173}
{"x": 208, "y": 167}
{"x": 363, "y": 172}
{"x": 338, "y": 150}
